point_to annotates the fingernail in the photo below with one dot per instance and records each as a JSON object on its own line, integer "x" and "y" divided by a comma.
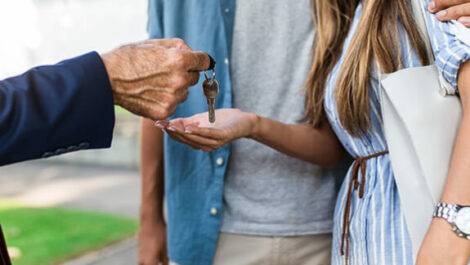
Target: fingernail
{"x": 441, "y": 14}
{"x": 188, "y": 131}
{"x": 158, "y": 125}
{"x": 431, "y": 6}
{"x": 171, "y": 129}
{"x": 465, "y": 21}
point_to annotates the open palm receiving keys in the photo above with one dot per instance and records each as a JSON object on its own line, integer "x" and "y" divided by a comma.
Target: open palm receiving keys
{"x": 200, "y": 134}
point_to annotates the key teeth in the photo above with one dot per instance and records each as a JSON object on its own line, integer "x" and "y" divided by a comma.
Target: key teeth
{"x": 211, "y": 118}
{"x": 211, "y": 103}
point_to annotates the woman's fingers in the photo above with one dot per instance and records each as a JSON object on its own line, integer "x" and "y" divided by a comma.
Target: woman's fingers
{"x": 162, "y": 124}
{"x": 438, "y": 5}
{"x": 454, "y": 12}
{"x": 203, "y": 141}
{"x": 206, "y": 139}
{"x": 177, "y": 132}
{"x": 212, "y": 133}
{"x": 177, "y": 137}
{"x": 465, "y": 21}
{"x": 185, "y": 122}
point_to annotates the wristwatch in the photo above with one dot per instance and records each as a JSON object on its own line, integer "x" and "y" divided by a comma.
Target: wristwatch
{"x": 457, "y": 215}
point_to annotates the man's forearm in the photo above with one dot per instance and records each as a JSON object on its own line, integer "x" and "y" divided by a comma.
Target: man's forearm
{"x": 55, "y": 109}
{"x": 152, "y": 172}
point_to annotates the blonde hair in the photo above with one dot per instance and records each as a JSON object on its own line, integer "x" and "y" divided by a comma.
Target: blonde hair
{"x": 376, "y": 40}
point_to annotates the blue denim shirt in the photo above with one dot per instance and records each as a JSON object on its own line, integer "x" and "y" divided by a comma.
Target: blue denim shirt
{"x": 194, "y": 179}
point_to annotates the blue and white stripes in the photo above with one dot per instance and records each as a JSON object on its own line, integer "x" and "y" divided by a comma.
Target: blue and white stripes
{"x": 451, "y": 46}
{"x": 378, "y": 233}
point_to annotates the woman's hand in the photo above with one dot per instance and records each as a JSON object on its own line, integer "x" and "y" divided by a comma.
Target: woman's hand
{"x": 451, "y": 9}
{"x": 442, "y": 246}
{"x": 197, "y": 132}
{"x": 319, "y": 146}
{"x": 152, "y": 243}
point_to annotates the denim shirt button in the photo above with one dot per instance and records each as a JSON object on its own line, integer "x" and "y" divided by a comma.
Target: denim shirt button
{"x": 219, "y": 161}
{"x": 214, "y": 211}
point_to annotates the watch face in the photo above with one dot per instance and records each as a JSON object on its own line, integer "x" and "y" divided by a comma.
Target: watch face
{"x": 462, "y": 221}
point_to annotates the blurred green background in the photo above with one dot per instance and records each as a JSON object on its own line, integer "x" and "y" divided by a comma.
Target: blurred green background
{"x": 50, "y": 235}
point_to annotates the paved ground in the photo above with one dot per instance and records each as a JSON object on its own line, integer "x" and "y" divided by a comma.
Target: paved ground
{"x": 124, "y": 253}
{"x": 108, "y": 190}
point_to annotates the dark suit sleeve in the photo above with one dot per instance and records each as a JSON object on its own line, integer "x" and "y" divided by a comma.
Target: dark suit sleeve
{"x": 51, "y": 110}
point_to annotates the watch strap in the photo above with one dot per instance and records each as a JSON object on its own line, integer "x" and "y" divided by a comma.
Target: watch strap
{"x": 446, "y": 211}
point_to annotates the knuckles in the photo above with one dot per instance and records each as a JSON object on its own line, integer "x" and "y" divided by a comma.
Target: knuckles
{"x": 164, "y": 113}
{"x": 454, "y": 12}
{"x": 177, "y": 58}
{"x": 169, "y": 103}
{"x": 178, "y": 95}
{"x": 166, "y": 110}
{"x": 179, "y": 43}
{"x": 440, "y": 4}
{"x": 172, "y": 42}
{"x": 178, "y": 80}
{"x": 466, "y": 24}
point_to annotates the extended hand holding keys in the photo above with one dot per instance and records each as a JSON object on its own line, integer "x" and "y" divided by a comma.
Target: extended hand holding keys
{"x": 148, "y": 78}
{"x": 151, "y": 77}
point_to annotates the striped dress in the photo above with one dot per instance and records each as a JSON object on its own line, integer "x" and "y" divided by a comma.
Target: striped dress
{"x": 377, "y": 228}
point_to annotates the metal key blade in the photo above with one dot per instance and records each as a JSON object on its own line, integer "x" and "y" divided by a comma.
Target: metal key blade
{"x": 211, "y": 103}
{"x": 210, "y": 88}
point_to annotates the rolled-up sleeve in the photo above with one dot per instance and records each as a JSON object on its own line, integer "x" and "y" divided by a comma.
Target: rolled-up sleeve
{"x": 451, "y": 46}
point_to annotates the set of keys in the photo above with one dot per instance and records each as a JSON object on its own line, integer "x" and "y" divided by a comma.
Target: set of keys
{"x": 210, "y": 89}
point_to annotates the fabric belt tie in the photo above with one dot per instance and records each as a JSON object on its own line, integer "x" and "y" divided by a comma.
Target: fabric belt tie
{"x": 359, "y": 163}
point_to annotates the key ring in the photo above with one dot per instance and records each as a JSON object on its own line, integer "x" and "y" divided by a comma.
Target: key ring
{"x": 211, "y": 67}
{"x": 213, "y": 74}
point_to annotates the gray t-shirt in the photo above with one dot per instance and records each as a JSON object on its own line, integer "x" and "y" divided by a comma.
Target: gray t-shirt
{"x": 267, "y": 192}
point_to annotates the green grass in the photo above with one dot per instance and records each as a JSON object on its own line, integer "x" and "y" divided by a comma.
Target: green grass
{"x": 48, "y": 236}
{"x": 121, "y": 111}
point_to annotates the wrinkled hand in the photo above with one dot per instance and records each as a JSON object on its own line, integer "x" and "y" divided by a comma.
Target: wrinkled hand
{"x": 442, "y": 246}
{"x": 451, "y": 9}
{"x": 198, "y": 133}
{"x": 151, "y": 77}
{"x": 152, "y": 244}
